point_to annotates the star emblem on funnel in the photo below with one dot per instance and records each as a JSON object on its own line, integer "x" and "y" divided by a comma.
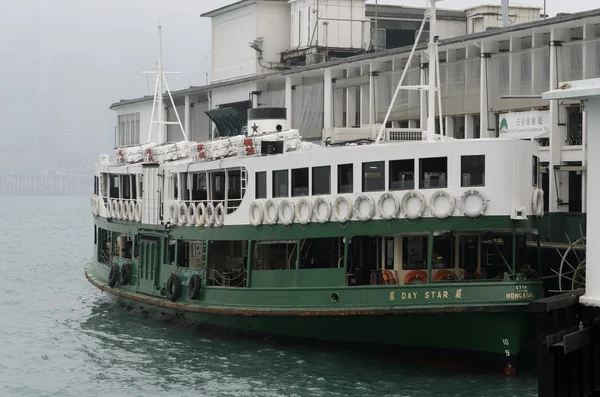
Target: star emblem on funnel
{"x": 254, "y": 128}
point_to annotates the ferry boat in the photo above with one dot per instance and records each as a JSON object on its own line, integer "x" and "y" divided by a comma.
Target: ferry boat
{"x": 405, "y": 238}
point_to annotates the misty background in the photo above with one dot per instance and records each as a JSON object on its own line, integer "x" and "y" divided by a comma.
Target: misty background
{"x": 65, "y": 61}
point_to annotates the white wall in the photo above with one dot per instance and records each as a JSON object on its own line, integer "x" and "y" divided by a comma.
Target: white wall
{"x": 447, "y": 29}
{"x": 482, "y": 17}
{"x": 233, "y": 93}
{"x": 200, "y": 122}
{"x": 231, "y": 33}
{"x": 273, "y": 25}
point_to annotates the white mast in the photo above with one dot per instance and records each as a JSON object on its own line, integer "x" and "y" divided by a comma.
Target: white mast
{"x": 431, "y": 87}
{"x": 158, "y": 100}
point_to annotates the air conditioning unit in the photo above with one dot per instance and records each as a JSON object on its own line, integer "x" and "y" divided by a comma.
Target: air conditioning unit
{"x": 314, "y": 59}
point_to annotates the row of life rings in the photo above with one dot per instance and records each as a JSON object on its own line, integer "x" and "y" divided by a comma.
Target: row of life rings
{"x": 414, "y": 205}
{"x": 124, "y": 210}
{"x": 190, "y": 214}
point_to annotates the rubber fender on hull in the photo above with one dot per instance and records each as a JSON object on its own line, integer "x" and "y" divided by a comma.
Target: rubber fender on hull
{"x": 125, "y": 276}
{"x": 194, "y": 286}
{"x": 173, "y": 289}
{"x": 113, "y": 276}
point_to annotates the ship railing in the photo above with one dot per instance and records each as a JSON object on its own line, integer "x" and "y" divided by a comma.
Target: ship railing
{"x": 228, "y": 278}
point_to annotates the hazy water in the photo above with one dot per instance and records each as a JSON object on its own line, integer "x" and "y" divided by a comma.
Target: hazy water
{"x": 59, "y": 336}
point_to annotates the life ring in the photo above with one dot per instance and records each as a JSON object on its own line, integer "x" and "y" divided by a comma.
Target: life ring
{"x": 113, "y": 276}
{"x": 476, "y": 211}
{"x": 131, "y": 212}
{"x": 388, "y": 277}
{"x": 256, "y": 213}
{"x": 191, "y": 214}
{"x": 537, "y": 202}
{"x": 173, "y": 213}
{"x": 219, "y": 215}
{"x": 442, "y": 213}
{"x": 286, "y": 217}
{"x": 173, "y": 288}
{"x": 411, "y": 213}
{"x": 370, "y": 207}
{"x": 183, "y": 212}
{"x": 443, "y": 275}
{"x": 113, "y": 208}
{"x": 320, "y": 216}
{"x": 209, "y": 217}
{"x": 382, "y": 209}
{"x": 121, "y": 210}
{"x": 194, "y": 286}
{"x": 339, "y": 201}
{"x": 200, "y": 214}
{"x": 415, "y": 275}
{"x": 304, "y": 217}
{"x": 125, "y": 275}
{"x": 138, "y": 211}
{"x": 108, "y": 208}
{"x": 95, "y": 205}
{"x": 271, "y": 219}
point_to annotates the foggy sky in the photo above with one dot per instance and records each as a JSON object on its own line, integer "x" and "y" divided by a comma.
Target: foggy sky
{"x": 65, "y": 61}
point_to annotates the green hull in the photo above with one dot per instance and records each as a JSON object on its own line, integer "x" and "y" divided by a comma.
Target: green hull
{"x": 484, "y": 317}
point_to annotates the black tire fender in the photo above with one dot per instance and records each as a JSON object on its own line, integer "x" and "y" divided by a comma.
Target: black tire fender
{"x": 125, "y": 276}
{"x": 173, "y": 289}
{"x": 113, "y": 276}
{"x": 194, "y": 286}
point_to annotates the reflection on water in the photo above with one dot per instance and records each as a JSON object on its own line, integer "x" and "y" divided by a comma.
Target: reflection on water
{"x": 62, "y": 337}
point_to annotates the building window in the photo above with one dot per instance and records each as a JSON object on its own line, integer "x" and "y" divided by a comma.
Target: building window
{"x": 321, "y": 180}
{"x": 458, "y": 124}
{"x": 535, "y": 168}
{"x": 300, "y": 182}
{"x": 345, "y": 178}
{"x": 261, "y": 185}
{"x": 574, "y": 126}
{"x": 472, "y": 170}
{"x": 373, "y": 176}
{"x": 280, "y": 183}
{"x": 433, "y": 173}
{"x": 402, "y": 174}
{"x": 477, "y": 126}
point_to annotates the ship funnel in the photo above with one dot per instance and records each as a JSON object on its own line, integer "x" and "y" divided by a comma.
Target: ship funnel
{"x": 262, "y": 120}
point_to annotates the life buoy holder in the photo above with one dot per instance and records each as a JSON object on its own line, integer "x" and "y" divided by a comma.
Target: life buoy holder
{"x": 183, "y": 212}
{"x": 113, "y": 276}
{"x": 476, "y": 211}
{"x": 200, "y": 214}
{"x": 370, "y": 207}
{"x": 173, "y": 213}
{"x": 414, "y": 214}
{"x": 287, "y": 212}
{"x": 388, "y": 278}
{"x": 271, "y": 206}
{"x": 301, "y": 216}
{"x": 138, "y": 211}
{"x": 339, "y": 201}
{"x": 415, "y": 275}
{"x": 173, "y": 287}
{"x": 444, "y": 275}
{"x": 194, "y": 286}
{"x": 219, "y": 215}
{"x": 125, "y": 275}
{"x": 537, "y": 202}
{"x": 435, "y": 210}
{"x": 320, "y": 216}
{"x": 255, "y": 213}
{"x": 131, "y": 212}
{"x": 191, "y": 214}
{"x": 209, "y": 218}
{"x": 381, "y": 206}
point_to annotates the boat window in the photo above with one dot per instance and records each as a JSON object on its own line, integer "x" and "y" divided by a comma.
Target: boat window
{"x": 183, "y": 253}
{"x": 433, "y": 172}
{"x": 125, "y": 187}
{"x": 96, "y": 185}
{"x": 217, "y": 186}
{"x": 345, "y": 178}
{"x": 414, "y": 252}
{"x": 389, "y": 253}
{"x": 402, "y": 174}
{"x": 199, "y": 187}
{"x": 280, "y": 183}
{"x": 114, "y": 186}
{"x": 321, "y": 180}
{"x": 104, "y": 184}
{"x": 234, "y": 189}
{"x": 373, "y": 176}
{"x": 185, "y": 193}
{"x": 300, "y": 182}
{"x": 472, "y": 170}
{"x": 260, "y": 189}
{"x": 133, "y": 186}
{"x": 535, "y": 167}
{"x": 174, "y": 192}
{"x": 443, "y": 251}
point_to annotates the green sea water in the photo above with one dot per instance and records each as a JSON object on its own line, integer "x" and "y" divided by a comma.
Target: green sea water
{"x": 59, "y": 336}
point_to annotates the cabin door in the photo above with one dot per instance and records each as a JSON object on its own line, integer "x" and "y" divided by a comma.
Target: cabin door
{"x": 149, "y": 263}
{"x": 150, "y": 192}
